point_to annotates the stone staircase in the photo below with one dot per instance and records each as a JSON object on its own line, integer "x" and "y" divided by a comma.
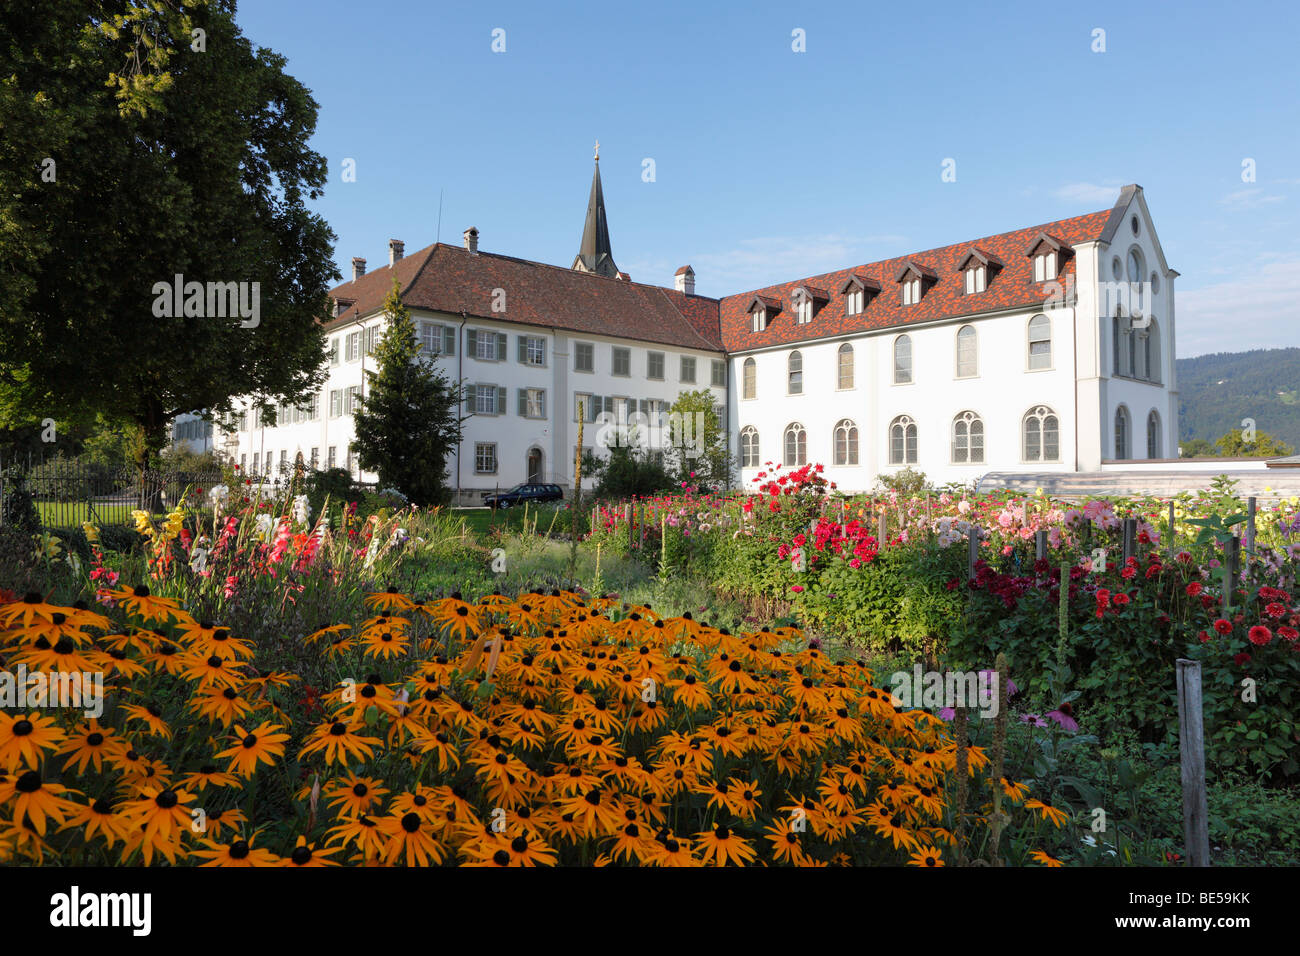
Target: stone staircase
{"x": 1280, "y": 483}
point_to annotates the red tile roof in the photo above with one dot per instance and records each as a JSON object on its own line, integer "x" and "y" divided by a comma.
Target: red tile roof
{"x": 1011, "y": 287}
{"x": 450, "y": 279}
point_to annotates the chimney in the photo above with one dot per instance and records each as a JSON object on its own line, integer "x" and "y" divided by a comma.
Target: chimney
{"x": 338, "y": 308}
{"x": 358, "y": 267}
{"x": 395, "y": 249}
{"x": 684, "y": 281}
{"x": 471, "y": 240}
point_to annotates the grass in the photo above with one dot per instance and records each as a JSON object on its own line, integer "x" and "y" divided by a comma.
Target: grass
{"x": 485, "y": 521}
{"x": 70, "y": 514}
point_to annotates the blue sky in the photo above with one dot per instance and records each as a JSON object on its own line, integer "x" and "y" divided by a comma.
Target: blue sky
{"x": 771, "y": 164}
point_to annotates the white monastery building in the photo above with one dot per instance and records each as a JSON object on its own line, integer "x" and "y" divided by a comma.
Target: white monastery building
{"x": 1046, "y": 349}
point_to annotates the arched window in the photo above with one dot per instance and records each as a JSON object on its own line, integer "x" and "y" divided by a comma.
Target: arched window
{"x": 749, "y": 376}
{"x": 1153, "y": 435}
{"x": 1140, "y": 354}
{"x": 749, "y": 447}
{"x": 1122, "y": 344}
{"x": 846, "y": 366}
{"x": 796, "y": 445}
{"x": 846, "y": 443}
{"x": 1041, "y": 431}
{"x": 967, "y": 439}
{"x": 1040, "y": 342}
{"x": 1153, "y": 352}
{"x": 1122, "y": 446}
{"x": 902, "y": 360}
{"x": 967, "y": 352}
{"x": 902, "y": 441}
{"x": 794, "y": 369}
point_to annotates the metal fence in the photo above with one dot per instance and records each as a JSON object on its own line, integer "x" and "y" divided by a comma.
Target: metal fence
{"x": 68, "y": 493}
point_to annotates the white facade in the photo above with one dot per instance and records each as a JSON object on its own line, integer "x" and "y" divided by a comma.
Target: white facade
{"x": 992, "y": 379}
{"x": 1061, "y": 385}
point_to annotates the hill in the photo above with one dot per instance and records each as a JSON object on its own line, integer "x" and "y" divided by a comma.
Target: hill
{"x": 1217, "y": 391}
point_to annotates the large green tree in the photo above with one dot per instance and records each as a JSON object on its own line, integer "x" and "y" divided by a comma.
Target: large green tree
{"x": 1237, "y": 444}
{"x": 409, "y": 420}
{"x": 141, "y": 141}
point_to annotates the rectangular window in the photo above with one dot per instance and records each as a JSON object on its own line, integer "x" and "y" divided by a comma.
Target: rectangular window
{"x": 584, "y": 357}
{"x": 654, "y": 365}
{"x": 911, "y": 291}
{"x": 975, "y": 280}
{"x": 284, "y": 460}
{"x": 532, "y": 350}
{"x": 485, "y": 458}
{"x": 688, "y": 369}
{"x": 583, "y": 399}
{"x": 353, "y": 346}
{"x": 437, "y": 339}
{"x": 352, "y": 399}
{"x": 719, "y": 373}
{"x": 758, "y": 320}
{"x": 532, "y": 402}
{"x": 336, "y": 402}
{"x": 371, "y": 338}
{"x": 352, "y": 462}
{"x": 256, "y": 462}
{"x": 315, "y": 459}
{"x": 487, "y": 346}
{"x": 332, "y": 459}
{"x": 243, "y": 462}
{"x": 854, "y": 304}
{"x": 622, "y": 361}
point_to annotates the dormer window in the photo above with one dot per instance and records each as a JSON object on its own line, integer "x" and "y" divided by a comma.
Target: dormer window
{"x": 1047, "y": 253}
{"x": 1044, "y": 266}
{"x": 914, "y": 278}
{"x": 807, "y": 301}
{"x": 857, "y": 291}
{"x": 761, "y": 312}
{"x": 977, "y": 269}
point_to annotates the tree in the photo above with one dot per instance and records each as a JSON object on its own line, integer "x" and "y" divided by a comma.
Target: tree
{"x": 1198, "y": 448}
{"x": 698, "y": 441}
{"x": 137, "y": 150}
{"x": 409, "y": 420}
{"x": 1262, "y": 445}
{"x": 630, "y": 473}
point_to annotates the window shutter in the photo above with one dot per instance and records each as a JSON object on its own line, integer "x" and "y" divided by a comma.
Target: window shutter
{"x": 523, "y": 402}
{"x": 591, "y": 407}
{"x": 470, "y": 392}
{"x": 523, "y": 349}
{"x": 543, "y": 351}
{"x": 448, "y": 340}
{"x": 541, "y": 402}
{"x": 471, "y": 342}
{"x": 501, "y": 398}
{"x": 501, "y": 346}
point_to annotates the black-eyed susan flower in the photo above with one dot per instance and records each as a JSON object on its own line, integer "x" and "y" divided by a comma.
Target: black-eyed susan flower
{"x": 25, "y": 737}
{"x": 309, "y": 855}
{"x": 340, "y": 741}
{"x": 151, "y": 716}
{"x": 89, "y": 744}
{"x": 262, "y": 746}
{"x": 410, "y": 838}
{"x": 237, "y": 853}
{"x": 36, "y": 801}
{"x": 722, "y": 845}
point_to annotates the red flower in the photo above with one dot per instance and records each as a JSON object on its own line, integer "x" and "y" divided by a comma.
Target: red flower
{"x": 1222, "y": 626}
{"x": 1128, "y": 573}
{"x": 1120, "y": 599}
{"x": 1288, "y": 633}
{"x": 1274, "y": 609}
{"x": 1241, "y": 660}
{"x": 1194, "y": 588}
{"x": 1204, "y": 636}
{"x": 1260, "y": 635}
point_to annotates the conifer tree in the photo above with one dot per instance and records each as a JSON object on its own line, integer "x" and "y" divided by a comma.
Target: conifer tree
{"x": 409, "y": 420}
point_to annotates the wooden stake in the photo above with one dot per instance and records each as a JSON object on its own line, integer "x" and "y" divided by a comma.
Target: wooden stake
{"x": 1130, "y": 538}
{"x": 1040, "y": 544}
{"x": 1250, "y": 526}
{"x": 972, "y": 549}
{"x": 1191, "y": 747}
{"x": 1173, "y": 550}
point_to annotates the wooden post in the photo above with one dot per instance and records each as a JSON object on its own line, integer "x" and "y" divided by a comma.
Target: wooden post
{"x": 1040, "y": 544}
{"x": 1173, "y": 550}
{"x": 882, "y": 529}
{"x": 627, "y": 513}
{"x": 1130, "y": 538}
{"x": 1231, "y": 567}
{"x": 641, "y": 522}
{"x": 1250, "y": 526}
{"x": 1191, "y": 747}
{"x": 972, "y": 549}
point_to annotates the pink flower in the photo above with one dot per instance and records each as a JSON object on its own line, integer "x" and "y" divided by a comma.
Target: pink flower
{"x": 797, "y": 588}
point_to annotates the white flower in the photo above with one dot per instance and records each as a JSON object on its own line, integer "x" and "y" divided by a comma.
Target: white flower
{"x": 217, "y": 495}
{"x": 265, "y": 526}
{"x": 301, "y": 509}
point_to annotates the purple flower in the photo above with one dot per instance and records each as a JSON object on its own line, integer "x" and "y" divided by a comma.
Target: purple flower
{"x": 1033, "y": 719}
{"x": 947, "y": 714}
{"x": 1065, "y": 720}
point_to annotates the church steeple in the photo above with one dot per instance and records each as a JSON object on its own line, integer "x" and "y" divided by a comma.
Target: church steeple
{"x": 594, "y": 254}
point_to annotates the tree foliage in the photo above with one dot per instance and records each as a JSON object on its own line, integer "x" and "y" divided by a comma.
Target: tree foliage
{"x": 133, "y": 153}
{"x": 409, "y": 420}
{"x": 698, "y": 438}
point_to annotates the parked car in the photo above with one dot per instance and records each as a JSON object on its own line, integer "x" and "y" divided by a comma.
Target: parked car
{"x": 521, "y": 493}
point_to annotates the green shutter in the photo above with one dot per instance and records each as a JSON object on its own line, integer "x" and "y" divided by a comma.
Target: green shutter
{"x": 501, "y": 400}
{"x": 471, "y": 343}
{"x": 522, "y": 341}
{"x": 448, "y": 340}
{"x": 523, "y": 402}
{"x": 542, "y": 403}
{"x": 501, "y": 346}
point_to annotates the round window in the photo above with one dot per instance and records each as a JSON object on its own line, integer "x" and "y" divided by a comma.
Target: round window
{"x": 1116, "y": 268}
{"x": 1134, "y": 266}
